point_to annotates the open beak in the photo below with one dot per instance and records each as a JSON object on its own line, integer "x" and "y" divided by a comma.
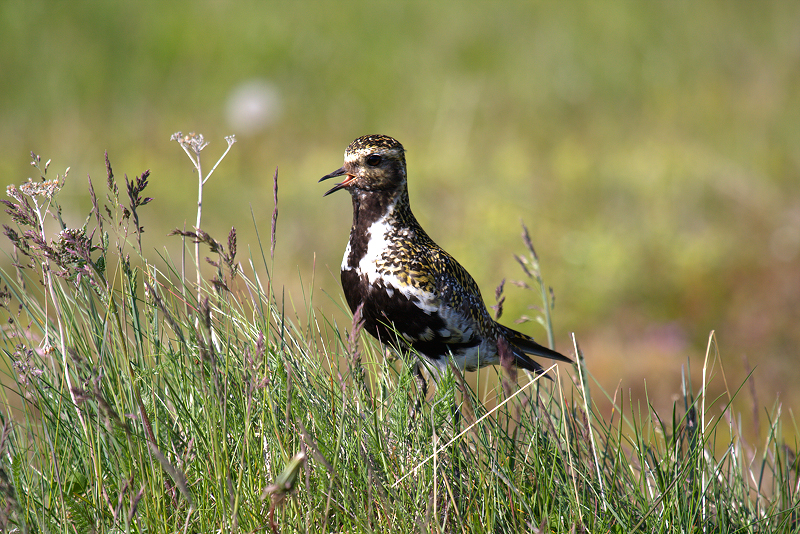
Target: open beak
{"x": 338, "y": 172}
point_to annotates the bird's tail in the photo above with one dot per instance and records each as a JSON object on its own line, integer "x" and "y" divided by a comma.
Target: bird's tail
{"x": 523, "y": 345}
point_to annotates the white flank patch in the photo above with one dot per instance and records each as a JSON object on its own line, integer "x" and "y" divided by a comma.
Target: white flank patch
{"x": 427, "y": 302}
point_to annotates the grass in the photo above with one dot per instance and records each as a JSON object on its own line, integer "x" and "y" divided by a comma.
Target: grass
{"x": 138, "y": 401}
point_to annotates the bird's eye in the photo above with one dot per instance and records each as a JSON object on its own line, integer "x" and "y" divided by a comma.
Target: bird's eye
{"x": 373, "y": 160}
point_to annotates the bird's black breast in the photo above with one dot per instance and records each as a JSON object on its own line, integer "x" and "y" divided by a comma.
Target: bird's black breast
{"x": 396, "y": 319}
{"x": 387, "y": 313}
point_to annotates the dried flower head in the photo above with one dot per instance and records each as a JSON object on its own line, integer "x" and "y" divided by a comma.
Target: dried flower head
{"x": 45, "y": 188}
{"x": 192, "y": 141}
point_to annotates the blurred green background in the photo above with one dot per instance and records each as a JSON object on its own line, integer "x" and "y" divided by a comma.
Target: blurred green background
{"x": 653, "y": 149}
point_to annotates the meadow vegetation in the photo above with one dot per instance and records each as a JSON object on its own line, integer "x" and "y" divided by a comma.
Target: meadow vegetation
{"x": 138, "y": 401}
{"x": 651, "y": 147}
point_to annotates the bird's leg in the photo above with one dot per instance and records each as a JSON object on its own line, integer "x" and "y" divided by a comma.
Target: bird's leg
{"x": 422, "y": 384}
{"x": 459, "y": 377}
{"x": 422, "y": 387}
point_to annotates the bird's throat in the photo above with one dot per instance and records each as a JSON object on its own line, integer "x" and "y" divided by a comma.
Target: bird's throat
{"x": 391, "y": 211}
{"x": 369, "y": 206}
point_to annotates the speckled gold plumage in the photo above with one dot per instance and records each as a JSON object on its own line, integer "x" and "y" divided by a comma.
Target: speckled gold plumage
{"x": 422, "y": 264}
{"x": 412, "y": 292}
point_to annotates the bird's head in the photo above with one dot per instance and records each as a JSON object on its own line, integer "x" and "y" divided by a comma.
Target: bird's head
{"x": 372, "y": 163}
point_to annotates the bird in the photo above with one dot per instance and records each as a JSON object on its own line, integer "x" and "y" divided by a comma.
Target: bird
{"x": 411, "y": 292}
